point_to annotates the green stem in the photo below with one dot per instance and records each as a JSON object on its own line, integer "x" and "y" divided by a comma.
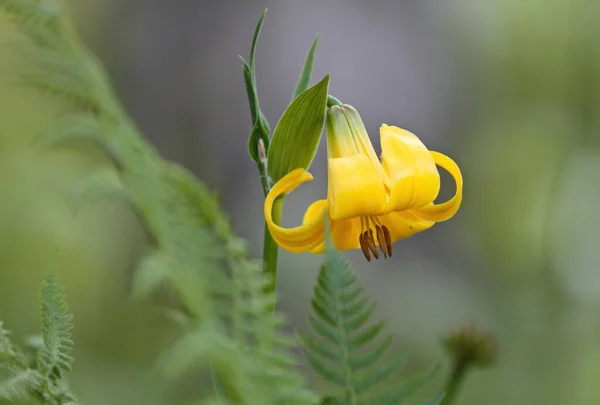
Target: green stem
{"x": 331, "y": 101}
{"x": 459, "y": 371}
{"x": 271, "y": 250}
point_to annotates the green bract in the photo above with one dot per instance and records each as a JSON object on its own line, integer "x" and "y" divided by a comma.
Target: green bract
{"x": 304, "y": 79}
{"x": 260, "y": 124}
{"x": 298, "y": 132}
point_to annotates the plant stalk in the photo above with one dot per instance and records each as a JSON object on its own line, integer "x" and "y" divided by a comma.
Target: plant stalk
{"x": 271, "y": 249}
{"x": 455, "y": 380}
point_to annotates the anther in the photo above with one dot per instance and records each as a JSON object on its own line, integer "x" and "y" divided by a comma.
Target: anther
{"x": 371, "y": 243}
{"x": 388, "y": 239}
{"x": 364, "y": 247}
{"x": 381, "y": 240}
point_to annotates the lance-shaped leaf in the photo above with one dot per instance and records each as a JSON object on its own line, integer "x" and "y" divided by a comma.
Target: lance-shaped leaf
{"x": 298, "y": 132}
{"x": 261, "y": 129}
{"x": 304, "y": 79}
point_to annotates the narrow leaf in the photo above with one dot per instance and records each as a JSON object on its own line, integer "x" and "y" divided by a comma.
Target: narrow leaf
{"x": 298, "y": 132}
{"x": 323, "y": 329}
{"x": 255, "y": 40}
{"x": 304, "y": 80}
{"x": 361, "y": 319}
{"x": 260, "y": 124}
{"x": 321, "y": 311}
{"x": 325, "y": 371}
{"x": 325, "y": 351}
{"x": 250, "y": 90}
{"x": 405, "y": 389}
{"x": 367, "y": 336}
{"x": 372, "y": 356}
{"x": 378, "y": 374}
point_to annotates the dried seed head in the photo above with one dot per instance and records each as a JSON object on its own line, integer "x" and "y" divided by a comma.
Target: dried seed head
{"x": 471, "y": 346}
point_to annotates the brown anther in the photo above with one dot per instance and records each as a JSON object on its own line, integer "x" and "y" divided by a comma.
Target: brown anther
{"x": 388, "y": 239}
{"x": 371, "y": 242}
{"x": 381, "y": 240}
{"x": 364, "y": 247}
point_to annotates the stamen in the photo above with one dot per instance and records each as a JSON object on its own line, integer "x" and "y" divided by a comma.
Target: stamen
{"x": 364, "y": 247}
{"x": 388, "y": 239}
{"x": 371, "y": 243}
{"x": 381, "y": 240}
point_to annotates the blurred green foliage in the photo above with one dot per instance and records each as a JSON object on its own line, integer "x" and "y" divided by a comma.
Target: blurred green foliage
{"x": 530, "y": 159}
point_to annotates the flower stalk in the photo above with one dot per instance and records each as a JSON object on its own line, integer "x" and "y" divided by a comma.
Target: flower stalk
{"x": 271, "y": 249}
{"x": 468, "y": 348}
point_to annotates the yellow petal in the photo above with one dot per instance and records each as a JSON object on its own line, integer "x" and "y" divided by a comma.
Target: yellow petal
{"x": 355, "y": 188}
{"x": 301, "y": 238}
{"x": 415, "y": 181}
{"x": 444, "y": 211}
{"x": 403, "y": 224}
{"x": 344, "y": 233}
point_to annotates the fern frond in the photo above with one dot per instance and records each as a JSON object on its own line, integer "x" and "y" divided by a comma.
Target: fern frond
{"x": 195, "y": 251}
{"x": 73, "y": 127}
{"x": 62, "y": 86}
{"x": 40, "y": 24}
{"x": 9, "y": 353}
{"x": 244, "y": 311}
{"x": 55, "y": 357}
{"x": 78, "y": 128}
{"x": 98, "y": 185}
{"x": 20, "y": 384}
{"x": 6, "y": 345}
{"x": 347, "y": 351}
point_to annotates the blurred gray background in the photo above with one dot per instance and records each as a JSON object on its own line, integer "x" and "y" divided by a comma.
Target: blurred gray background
{"x": 508, "y": 89}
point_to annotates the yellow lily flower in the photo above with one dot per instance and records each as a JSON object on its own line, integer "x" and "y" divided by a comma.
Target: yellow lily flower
{"x": 369, "y": 202}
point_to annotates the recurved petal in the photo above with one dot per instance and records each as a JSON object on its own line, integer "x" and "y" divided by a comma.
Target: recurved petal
{"x": 403, "y": 224}
{"x": 415, "y": 181}
{"x": 355, "y": 188}
{"x": 344, "y": 233}
{"x": 302, "y": 238}
{"x": 444, "y": 211}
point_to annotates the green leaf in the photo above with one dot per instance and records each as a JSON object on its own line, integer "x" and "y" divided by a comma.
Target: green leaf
{"x": 435, "y": 401}
{"x": 57, "y": 323}
{"x": 346, "y": 350}
{"x": 258, "y": 132}
{"x": 298, "y": 132}
{"x": 209, "y": 274}
{"x": 250, "y": 90}
{"x": 6, "y": 346}
{"x": 20, "y": 384}
{"x": 260, "y": 125}
{"x": 255, "y": 40}
{"x": 101, "y": 185}
{"x": 403, "y": 390}
{"x": 307, "y": 70}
